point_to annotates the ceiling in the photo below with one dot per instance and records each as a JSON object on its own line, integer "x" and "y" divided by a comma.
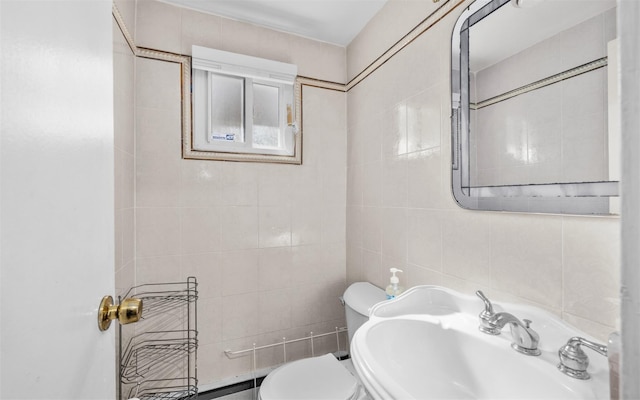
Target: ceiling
{"x": 332, "y": 21}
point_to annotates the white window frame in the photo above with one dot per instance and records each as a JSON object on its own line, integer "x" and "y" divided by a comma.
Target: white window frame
{"x": 207, "y": 62}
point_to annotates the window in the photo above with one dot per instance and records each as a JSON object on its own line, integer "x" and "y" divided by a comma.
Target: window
{"x": 243, "y": 105}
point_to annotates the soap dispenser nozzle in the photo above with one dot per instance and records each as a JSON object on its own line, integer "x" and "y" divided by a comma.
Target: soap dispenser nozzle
{"x": 394, "y": 279}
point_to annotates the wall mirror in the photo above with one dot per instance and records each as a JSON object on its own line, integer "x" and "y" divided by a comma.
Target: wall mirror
{"x": 535, "y": 124}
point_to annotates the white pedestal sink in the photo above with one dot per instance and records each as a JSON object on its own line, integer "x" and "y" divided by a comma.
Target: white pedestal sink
{"x": 426, "y": 344}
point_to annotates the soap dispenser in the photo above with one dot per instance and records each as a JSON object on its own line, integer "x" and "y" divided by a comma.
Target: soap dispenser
{"x": 394, "y": 290}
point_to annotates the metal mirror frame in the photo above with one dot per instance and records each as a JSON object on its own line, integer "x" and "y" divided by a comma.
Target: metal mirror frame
{"x": 582, "y": 197}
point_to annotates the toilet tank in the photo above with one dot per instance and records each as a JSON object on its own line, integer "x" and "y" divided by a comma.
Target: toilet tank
{"x": 358, "y": 299}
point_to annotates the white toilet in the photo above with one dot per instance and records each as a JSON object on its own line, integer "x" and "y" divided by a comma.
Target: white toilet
{"x": 324, "y": 377}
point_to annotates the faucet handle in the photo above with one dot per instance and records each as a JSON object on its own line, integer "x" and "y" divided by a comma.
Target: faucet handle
{"x": 485, "y": 316}
{"x": 574, "y": 361}
{"x": 488, "y": 307}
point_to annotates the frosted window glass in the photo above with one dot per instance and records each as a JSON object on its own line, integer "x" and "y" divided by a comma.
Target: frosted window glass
{"x": 226, "y": 108}
{"x": 266, "y": 116}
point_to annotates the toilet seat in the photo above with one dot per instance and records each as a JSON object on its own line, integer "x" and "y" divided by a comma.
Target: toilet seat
{"x": 317, "y": 378}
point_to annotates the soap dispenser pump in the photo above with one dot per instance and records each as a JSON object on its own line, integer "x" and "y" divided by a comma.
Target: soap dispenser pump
{"x": 394, "y": 290}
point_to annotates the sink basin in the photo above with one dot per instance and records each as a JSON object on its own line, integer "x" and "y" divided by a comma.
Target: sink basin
{"x": 442, "y": 354}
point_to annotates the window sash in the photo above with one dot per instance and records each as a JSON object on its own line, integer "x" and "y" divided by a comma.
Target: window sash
{"x": 286, "y": 139}
{"x": 218, "y": 90}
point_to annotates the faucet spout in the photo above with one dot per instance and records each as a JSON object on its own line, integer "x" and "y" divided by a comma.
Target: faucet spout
{"x": 525, "y": 339}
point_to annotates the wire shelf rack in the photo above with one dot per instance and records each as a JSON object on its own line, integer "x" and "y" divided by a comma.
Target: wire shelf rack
{"x": 158, "y": 355}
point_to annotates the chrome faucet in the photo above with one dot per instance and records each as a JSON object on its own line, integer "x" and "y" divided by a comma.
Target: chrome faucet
{"x": 525, "y": 339}
{"x": 574, "y": 361}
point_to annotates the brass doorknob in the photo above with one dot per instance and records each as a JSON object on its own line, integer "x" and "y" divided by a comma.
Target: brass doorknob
{"x": 127, "y": 312}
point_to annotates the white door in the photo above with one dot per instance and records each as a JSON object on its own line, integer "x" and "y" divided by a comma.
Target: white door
{"x": 56, "y": 199}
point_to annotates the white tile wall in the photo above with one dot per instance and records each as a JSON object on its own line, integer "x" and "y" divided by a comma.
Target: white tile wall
{"x": 400, "y": 212}
{"x": 384, "y": 30}
{"x": 266, "y": 241}
{"x": 162, "y": 26}
{"x": 124, "y": 162}
{"x": 262, "y": 238}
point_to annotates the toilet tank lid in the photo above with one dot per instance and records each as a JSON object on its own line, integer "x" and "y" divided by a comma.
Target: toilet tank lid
{"x": 361, "y": 296}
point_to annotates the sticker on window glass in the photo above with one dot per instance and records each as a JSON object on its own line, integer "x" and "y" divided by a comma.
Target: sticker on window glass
{"x": 228, "y": 136}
